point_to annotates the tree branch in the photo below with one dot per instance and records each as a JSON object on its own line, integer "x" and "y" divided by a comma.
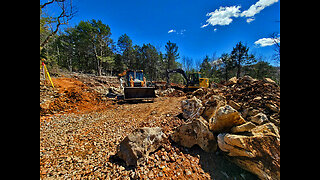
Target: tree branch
{"x": 63, "y": 19}
{"x": 46, "y": 4}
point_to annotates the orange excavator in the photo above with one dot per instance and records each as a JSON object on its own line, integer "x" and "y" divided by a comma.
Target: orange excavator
{"x": 135, "y": 86}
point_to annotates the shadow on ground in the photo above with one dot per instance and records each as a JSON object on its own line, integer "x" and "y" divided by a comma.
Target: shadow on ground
{"x": 219, "y": 167}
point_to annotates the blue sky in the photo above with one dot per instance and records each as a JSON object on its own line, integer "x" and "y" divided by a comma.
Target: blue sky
{"x": 199, "y": 27}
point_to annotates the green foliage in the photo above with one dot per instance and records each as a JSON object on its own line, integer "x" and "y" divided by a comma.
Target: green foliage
{"x": 88, "y": 48}
{"x": 125, "y": 43}
{"x": 43, "y": 21}
{"x": 240, "y": 56}
{"x": 206, "y": 69}
{"x": 172, "y": 55}
{"x": 238, "y": 63}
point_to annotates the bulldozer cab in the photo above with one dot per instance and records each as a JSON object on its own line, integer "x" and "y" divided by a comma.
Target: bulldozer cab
{"x": 136, "y": 88}
{"x": 136, "y": 76}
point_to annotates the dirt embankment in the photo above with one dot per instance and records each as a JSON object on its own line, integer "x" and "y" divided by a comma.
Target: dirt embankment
{"x": 70, "y": 96}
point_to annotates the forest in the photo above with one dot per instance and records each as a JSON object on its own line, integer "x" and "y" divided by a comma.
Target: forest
{"x": 88, "y": 48}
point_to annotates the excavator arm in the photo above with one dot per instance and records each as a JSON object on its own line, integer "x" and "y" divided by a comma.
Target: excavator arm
{"x": 180, "y": 71}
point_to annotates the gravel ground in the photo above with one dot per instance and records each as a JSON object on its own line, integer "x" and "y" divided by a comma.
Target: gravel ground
{"x": 80, "y": 135}
{"x": 82, "y": 146}
{"x": 77, "y": 146}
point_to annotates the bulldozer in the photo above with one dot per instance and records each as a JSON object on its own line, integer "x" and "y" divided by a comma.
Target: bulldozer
{"x": 135, "y": 86}
{"x": 194, "y": 80}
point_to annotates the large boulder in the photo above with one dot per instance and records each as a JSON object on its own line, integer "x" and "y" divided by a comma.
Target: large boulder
{"x": 195, "y": 132}
{"x": 257, "y": 152}
{"x": 139, "y": 144}
{"x": 212, "y": 105}
{"x": 225, "y": 119}
{"x": 192, "y": 108}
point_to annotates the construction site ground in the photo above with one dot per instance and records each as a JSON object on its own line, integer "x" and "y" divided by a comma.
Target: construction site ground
{"x": 80, "y": 129}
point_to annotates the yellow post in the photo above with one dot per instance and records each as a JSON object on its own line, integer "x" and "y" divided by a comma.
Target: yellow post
{"x": 47, "y": 72}
{"x": 49, "y": 76}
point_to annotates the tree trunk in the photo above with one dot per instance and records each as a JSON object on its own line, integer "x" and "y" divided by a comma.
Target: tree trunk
{"x": 239, "y": 69}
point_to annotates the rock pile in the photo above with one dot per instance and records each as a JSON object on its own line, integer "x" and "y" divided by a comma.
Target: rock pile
{"x": 170, "y": 92}
{"x": 251, "y": 97}
{"x": 47, "y": 96}
{"x": 244, "y": 117}
{"x": 241, "y": 119}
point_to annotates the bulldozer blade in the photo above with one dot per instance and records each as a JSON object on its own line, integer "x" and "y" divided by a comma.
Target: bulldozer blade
{"x": 139, "y": 93}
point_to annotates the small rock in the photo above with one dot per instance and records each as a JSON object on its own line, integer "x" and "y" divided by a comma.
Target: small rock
{"x": 172, "y": 159}
{"x": 235, "y": 105}
{"x": 188, "y": 172}
{"x": 273, "y": 108}
{"x": 259, "y": 119}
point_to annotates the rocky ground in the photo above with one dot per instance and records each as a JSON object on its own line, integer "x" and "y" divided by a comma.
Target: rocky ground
{"x": 81, "y": 130}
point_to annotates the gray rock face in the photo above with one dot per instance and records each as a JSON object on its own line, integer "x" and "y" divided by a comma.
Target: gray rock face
{"x": 195, "y": 132}
{"x": 192, "y": 108}
{"x": 139, "y": 144}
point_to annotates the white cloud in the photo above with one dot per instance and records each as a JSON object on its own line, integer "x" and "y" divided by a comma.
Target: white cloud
{"x": 216, "y": 62}
{"x": 223, "y": 16}
{"x": 258, "y": 7}
{"x": 182, "y": 32}
{"x": 249, "y": 20}
{"x": 264, "y": 42}
{"x": 172, "y": 31}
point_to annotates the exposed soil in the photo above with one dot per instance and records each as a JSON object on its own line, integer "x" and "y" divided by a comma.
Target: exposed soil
{"x": 70, "y": 96}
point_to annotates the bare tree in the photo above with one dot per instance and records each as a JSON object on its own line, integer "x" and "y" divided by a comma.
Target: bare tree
{"x": 67, "y": 12}
{"x": 276, "y": 40}
{"x": 187, "y": 63}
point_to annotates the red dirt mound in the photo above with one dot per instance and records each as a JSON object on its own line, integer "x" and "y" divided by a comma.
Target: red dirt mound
{"x": 72, "y": 96}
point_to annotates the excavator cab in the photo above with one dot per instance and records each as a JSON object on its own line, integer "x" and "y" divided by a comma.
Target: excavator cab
{"x": 195, "y": 79}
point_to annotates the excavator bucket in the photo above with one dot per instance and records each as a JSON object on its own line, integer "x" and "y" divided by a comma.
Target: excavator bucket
{"x": 139, "y": 93}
